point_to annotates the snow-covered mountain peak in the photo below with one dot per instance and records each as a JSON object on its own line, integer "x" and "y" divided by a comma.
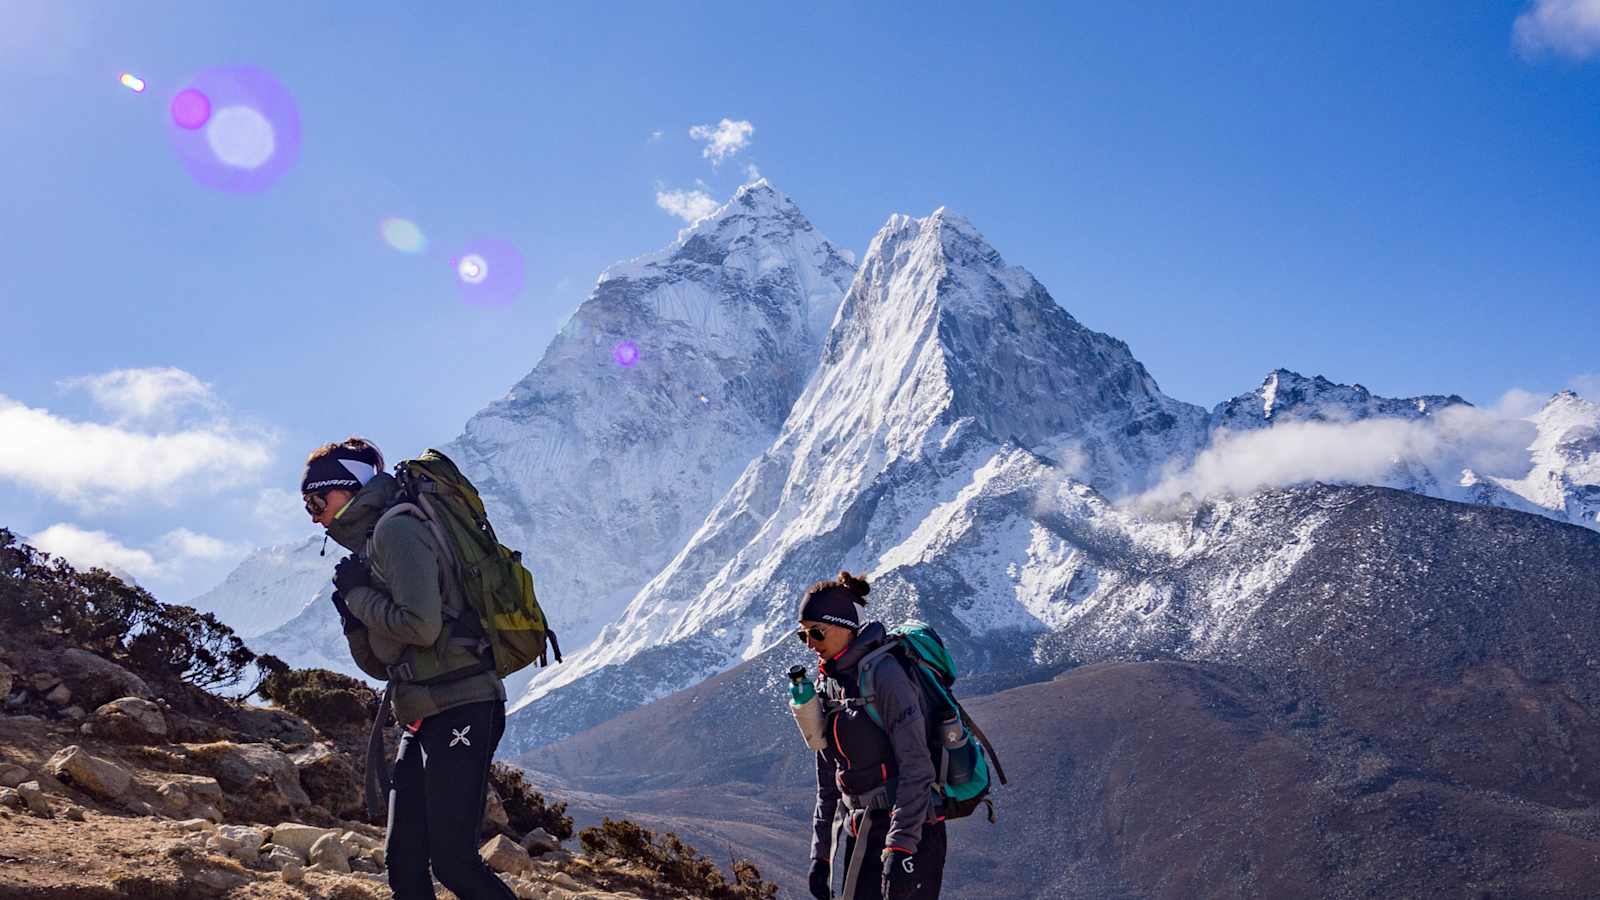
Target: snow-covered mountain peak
{"x": 1288, "y": 396}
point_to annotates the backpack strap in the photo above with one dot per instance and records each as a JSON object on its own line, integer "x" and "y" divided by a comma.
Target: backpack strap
{"x": 988, "y": 748}
{"x": 459, "y": 629}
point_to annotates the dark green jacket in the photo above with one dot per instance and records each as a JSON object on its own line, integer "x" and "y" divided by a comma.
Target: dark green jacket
{"x": 406, "y": 606}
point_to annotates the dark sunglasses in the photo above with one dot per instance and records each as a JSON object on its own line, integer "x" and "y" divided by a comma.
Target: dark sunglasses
{"x": 814, "y": 633}
{"x": 316, "y": 503}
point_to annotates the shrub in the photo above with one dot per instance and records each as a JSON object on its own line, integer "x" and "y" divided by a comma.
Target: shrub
{"x": 103, "y": 614}
{"x": 675, "y": 862}
{"x": 526, "y": 807}
{"x": 328, "y": 700}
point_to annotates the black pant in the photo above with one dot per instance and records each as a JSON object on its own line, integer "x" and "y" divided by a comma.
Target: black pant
{"x": 929, "y": 860}
{"x": 441, "y": 780}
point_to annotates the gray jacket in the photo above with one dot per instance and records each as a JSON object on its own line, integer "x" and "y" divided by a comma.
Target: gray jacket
{"x": 902, "y": 707}
{"x": 404, "y": 607}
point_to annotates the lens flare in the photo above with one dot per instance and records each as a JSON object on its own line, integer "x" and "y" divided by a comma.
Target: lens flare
{"x": 241, "y": 137}
{"x": 132, "y": 82}
{"x": 402, "y": 235}
{"x": 626, "y": 354}
{"x": 190, "y": 109}
{"x": 235, "y": 129}
{"x": 488, "y": 272}
{"x": 473, "y": 269}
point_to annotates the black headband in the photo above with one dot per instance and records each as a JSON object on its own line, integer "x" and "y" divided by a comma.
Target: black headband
{"x": 336, "y": 471}
{"x": 835, "y": 605}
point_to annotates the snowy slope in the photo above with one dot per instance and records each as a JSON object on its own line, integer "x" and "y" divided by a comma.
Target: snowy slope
{"x": 952, "y": 395}
{"x": 600, "y": 472}
{"x": 1565, "y": 479}
{"x": 270, "y": 587}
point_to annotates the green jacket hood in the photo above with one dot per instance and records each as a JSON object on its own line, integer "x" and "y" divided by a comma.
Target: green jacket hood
{"x": 353, "y": 525}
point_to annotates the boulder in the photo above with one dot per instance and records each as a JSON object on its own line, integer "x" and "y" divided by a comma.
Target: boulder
{"x": 9, "y": 797}
{"x": 132, "y": 720}
{"x": 100, "y": 777}
{"x": 329, "y": 853}
{"x": 540, "y": 841}
{"x": 60, "y": 695}
{"x": 255, "y": 774}
{"x": 197, "y": 787}
{"x": 34, "y": 797}
{"x": 299, "y": 838}
{"x": 330, "y": 780}
{"x": 207, "y": 812}
{"x": 75, "y": 813}
{"x": 292, "y": 872}
{"x": 12, "y": 775}
{"x": 503, "y": 855}
{"x": 96, "y": 680}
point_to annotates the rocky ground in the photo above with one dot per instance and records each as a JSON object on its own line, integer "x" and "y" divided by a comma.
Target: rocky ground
{"x": 107, "y": 790}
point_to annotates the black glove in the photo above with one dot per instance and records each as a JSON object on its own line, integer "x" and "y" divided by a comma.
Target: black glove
{"x": 819, "y": 880}
{"x": 899, "y": 875}
{"x": 347, "y": 620}
{"x": 351, "y": 572}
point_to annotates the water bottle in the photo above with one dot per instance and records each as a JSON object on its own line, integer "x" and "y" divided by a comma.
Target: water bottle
{"x": 807, "y": 709}
{"x": 957, "y": 751}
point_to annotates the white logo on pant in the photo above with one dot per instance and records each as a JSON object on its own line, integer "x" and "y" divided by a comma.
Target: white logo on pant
{"x": 910, "y": 869}
{"x": 460, "y": 737}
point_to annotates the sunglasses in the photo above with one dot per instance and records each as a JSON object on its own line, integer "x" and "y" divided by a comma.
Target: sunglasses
{"x": 813, "y": 633}
{"x": 316, "y": 503}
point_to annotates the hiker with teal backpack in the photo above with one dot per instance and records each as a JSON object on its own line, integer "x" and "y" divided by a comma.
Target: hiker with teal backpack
{"x": 431, "y": 603}
{"x": 896, "y": 754}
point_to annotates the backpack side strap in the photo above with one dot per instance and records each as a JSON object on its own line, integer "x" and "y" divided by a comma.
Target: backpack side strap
{"x": 987, "y": 747}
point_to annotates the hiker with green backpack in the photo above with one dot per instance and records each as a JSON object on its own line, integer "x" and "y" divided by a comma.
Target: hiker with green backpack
{"x": 431, "y": 603}
{"x": 894, "y": 748}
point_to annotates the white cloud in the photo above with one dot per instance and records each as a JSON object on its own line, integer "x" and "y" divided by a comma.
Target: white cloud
{"x": 751, "y": 173}
{"x": 92, "y": 464}
{"x": 724, "y": 140}
{"x": 148, "y": 395}
{"x": 1362, "y": 452}
{"x": 186, "y": 544}
{"x": 656, "y": 135}
{"x": 94, "y": 549}
{"x": 1569, "y": 28}
{"x": 1519, "y": 404}
{"x": 690, "y": 206}
{"x": 1587, "y": 386}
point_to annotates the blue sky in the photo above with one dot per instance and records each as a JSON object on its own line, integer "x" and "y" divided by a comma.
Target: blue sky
{"x": 1401, "y": 195}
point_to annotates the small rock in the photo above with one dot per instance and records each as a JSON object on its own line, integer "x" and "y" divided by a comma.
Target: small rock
{"x": 60, "y": 695}
{"x": 540, "y": 841}
{"x": 75, "y": 813}
{"x": 381, "y": 857}
{"x": 138, "y": 807}
{"x": 330, "y": 853}
{"x": 503, "y": 855}
{"x": 101, "y": 777}
{"x": 7, "y": 679}
{"x": 298, "y": 837}
{"x": 74, "y": 713}
{"x": 12, "y": 775}
{"x": 207, "y": 812}
{"x": 357, "y": 839}
{"x": 494, "y": 810}
{"x": 44, "y": 682}
{"x": 173, "y": 797}
{"x": 33, "y": 795}
{"x": 9, "y": 797}
{"x": 195, "y": 825}
{"x": 292, "y": 872}
{"x": 562, "y": 879}
{"x": 241, "y": 841}
{"x": 276, "y": 857}
{"x": 218, "y": 879}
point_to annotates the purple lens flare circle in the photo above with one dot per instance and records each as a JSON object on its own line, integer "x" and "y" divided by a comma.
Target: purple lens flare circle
{"x": 235, "y": 128}
{"x": 488, "y": 272}
{"x": 626, "y": 354}
{"x": 190, "y": 109}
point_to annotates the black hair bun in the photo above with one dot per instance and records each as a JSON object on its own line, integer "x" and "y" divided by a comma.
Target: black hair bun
{"x": 856, "y": 585}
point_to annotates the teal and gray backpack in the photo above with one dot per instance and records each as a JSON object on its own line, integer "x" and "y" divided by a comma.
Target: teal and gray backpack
{"x": 956, "y": 742}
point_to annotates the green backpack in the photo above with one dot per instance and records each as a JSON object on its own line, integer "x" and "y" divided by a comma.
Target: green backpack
{"x": 920, "y": 649}
{"x": 494, "y": 582}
